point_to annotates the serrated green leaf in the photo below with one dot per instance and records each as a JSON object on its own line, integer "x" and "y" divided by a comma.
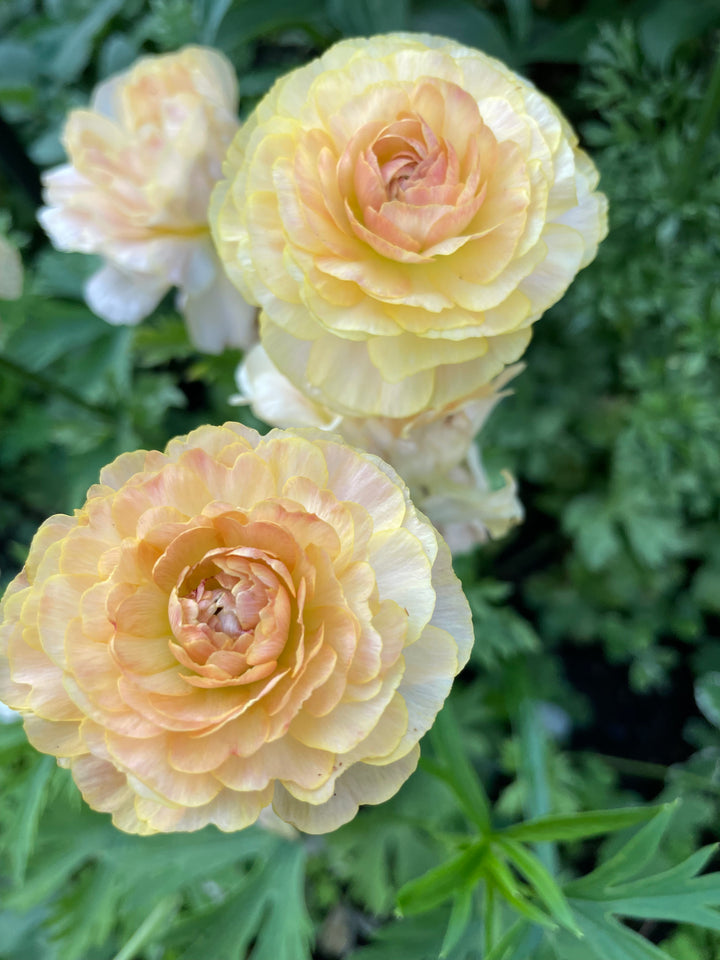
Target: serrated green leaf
{"x": 606, "y": 939}
{"x": 631, "y": 859}
{"x": 266, "y": 908}
{"x": 593, "y": 525}
{"x": 676, "y": 894}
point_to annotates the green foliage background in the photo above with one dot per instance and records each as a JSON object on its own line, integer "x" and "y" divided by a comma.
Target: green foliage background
{"x": 595, "y": 680}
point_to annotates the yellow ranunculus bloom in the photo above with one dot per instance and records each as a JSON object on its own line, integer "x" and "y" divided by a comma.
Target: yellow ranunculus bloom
{"x": 143, "y": 160}
{"x": 237, "y": 622}
{"x": 403, "y": 209}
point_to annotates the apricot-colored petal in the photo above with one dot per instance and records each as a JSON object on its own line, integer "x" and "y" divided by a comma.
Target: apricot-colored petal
{"x": 360, "y": 784}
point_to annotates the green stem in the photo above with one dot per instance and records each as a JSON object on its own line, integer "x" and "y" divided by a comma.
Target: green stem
{"x": 161, "y": 912}
{"x": 706, "y": 121}
{"x": 533, "y": 769}
{"x": 489, "y": 917}
{"x": 455, "y": 768}
{"x": 656, "y": 771}
{"x": 52, "y": 386}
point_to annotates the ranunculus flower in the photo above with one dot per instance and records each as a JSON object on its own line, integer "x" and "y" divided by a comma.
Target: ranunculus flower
{"x": 238, "y": 621}
{"x": 143, "y": 161}
{"x": 434, "y": 452}
{"x": 403, "y": 209}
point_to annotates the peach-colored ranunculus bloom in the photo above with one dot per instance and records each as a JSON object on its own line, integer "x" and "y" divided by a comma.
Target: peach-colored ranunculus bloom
{"x": 403, "y": 209}
{"x": 143, "y": 160}
{"x": 238, "y": 621}
{"x": 435, "y": 452}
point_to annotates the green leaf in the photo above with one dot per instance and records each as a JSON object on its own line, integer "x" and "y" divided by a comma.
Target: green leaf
{"x": 457, "y": 769}
{"x": 210, "y": 15}
{"x": 562, "y": 41}
{"x": 84, "y": 914}
{"x": 510, "y": 941}
{"x": 367, "y": 17}
{"x": 34, "y": 800}
{"x": 500, "y": 875}
{"x": 604, "y": 939}
{"x": 52, "y": 330}
{"x": 520, "y": 14}
{"x": 707, "y": 696}
{"x": 267, "y": 909}
{"x": 676, "y": 894}
{"x": 629, "y": 859}
{"x": 413, "y": 938}
{"x": 463, "y": 22}
{"x": 158, "y": 919}
{"x": 534, "y": 762}
{"x": 578, "y": 826}
{"x": 250, "y": 19}
{"x": 661, "y": 30}
{"x": 74, "y": 54}
{"x": 459, "y": 919}
{"x": 501, "y": 633}
{"x": 541, "y": 880}
{"x": 442, "y": 882}
{"x": 622, "y": 887}
{"x": 592, "y": 524}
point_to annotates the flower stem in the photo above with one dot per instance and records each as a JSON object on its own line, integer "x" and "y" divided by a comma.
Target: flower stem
{"x": 533, "y": 767}
{"x": 656, "y": 771}
{"x": 456, "y": 769}
{"x": 161, "y": 913}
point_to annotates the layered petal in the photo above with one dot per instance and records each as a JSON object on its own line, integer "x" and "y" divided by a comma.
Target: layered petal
{"x": 238, "y": 621}
{"x": 403, "y": 209}
{"x": 143, "y": 160}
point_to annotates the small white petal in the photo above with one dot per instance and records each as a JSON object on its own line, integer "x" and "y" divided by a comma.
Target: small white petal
{"x": 123, "y": 298}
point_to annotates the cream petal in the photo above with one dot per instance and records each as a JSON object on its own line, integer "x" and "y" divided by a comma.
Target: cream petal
{"x": 401, "y": 566}
{"x": 452, "y": 611}
{"x": 121, "y": 297}
{"x": 360, "y": 784}
{"x": 217, "y": 316}
{"x": 349, "y": 723}
{"x": 148, "y": 762}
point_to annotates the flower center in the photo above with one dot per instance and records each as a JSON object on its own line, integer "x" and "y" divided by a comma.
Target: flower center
{"x": 406, "y": 153}
{"x": 407, "y": 189}
{"x": 228, "y": 608}
{"x": 230, "y": 616}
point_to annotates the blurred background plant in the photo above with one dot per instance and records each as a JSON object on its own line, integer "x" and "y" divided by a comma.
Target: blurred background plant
{"x": 595, "y": 682}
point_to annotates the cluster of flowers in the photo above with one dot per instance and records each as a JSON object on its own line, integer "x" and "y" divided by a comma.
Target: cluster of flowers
{"x": 241, "y": 620}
